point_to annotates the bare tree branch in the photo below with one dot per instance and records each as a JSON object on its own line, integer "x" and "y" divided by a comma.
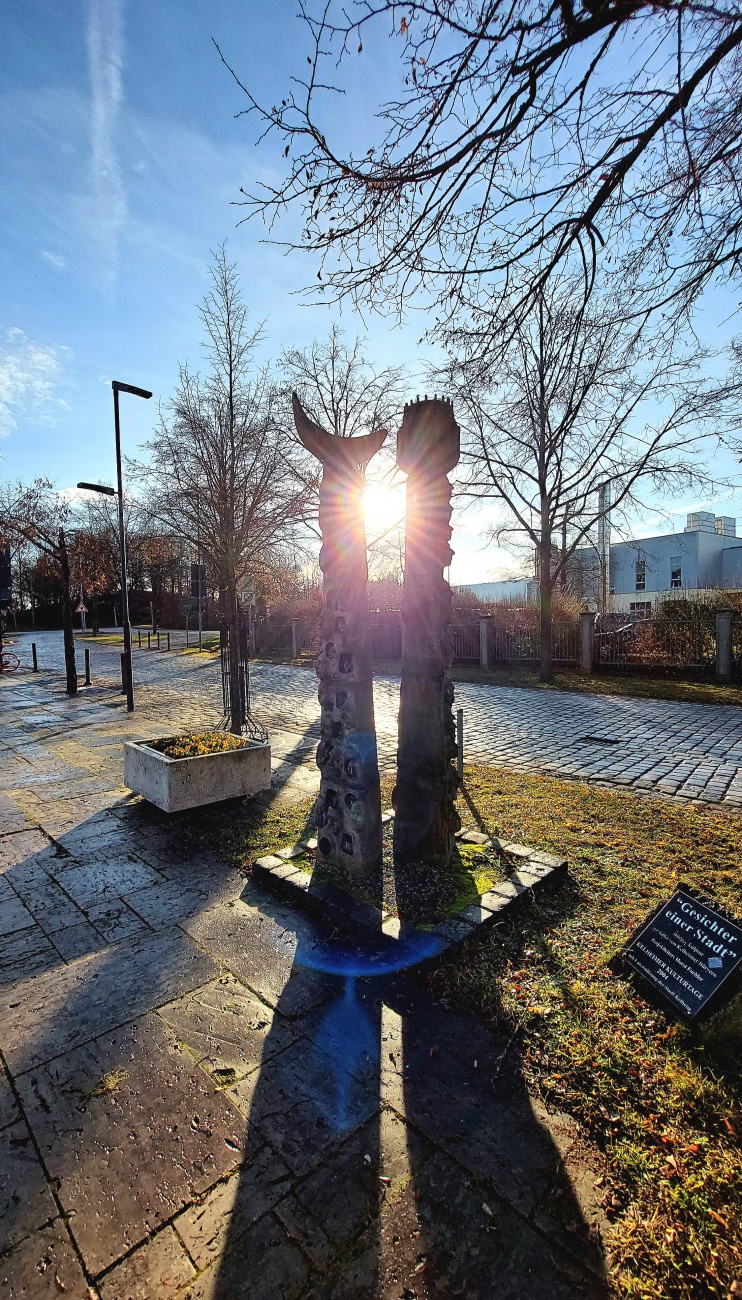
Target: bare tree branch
{"x": 525, "y": 139}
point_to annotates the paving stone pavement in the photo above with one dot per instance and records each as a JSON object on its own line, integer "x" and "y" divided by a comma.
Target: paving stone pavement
{"x": 689, "y": 751}
{"x": 193, "y": 1102}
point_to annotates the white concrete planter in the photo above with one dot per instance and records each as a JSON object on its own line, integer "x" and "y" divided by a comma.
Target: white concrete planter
{"x": 177, "y": 783}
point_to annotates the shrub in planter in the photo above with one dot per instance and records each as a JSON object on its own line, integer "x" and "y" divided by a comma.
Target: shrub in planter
{"x": 196, "y": 769}
{"x": 194, "y": 744}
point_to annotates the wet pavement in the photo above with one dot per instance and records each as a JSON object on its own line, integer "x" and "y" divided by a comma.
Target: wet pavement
{"x": 192, "y": 1102}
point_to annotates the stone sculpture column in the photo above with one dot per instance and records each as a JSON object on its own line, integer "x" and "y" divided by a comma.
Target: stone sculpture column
{"x": 348, "y": 810}
{"x": 426, "y": 819}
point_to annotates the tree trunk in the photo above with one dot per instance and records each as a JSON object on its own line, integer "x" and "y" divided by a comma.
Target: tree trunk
{"x": 68, "y": 633}
{"x": 95, "y": 616}
{"x": 236, "y": 719}
{"x": 545, "y": 591}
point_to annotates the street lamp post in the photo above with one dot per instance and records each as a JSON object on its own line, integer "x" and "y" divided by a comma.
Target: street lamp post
{"x": 118, "y": 387}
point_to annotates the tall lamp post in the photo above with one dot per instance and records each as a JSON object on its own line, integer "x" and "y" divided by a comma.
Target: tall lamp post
{"x": 118, "y": 387}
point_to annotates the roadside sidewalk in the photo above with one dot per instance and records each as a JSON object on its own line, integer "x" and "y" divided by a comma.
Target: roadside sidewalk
{"x": 198, "y": 1100}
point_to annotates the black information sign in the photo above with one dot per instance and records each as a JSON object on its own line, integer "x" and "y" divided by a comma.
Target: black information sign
{"x": 686, "y": 952}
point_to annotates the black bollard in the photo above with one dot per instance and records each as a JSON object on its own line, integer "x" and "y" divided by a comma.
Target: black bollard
{"x": 123, "y": 673}
{"x": 33, "y": 656}
{"x": 87, "y": 666}
{"x": 139, "y": 634}
{"x": 158, "y": 640}
{"x": 460, "y": 743}
{"x": 149, "y": 640}
{"x": 168, "y": 640}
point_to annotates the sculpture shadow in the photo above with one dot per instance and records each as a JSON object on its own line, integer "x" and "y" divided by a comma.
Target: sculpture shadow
{"x": 406, "y": 1154}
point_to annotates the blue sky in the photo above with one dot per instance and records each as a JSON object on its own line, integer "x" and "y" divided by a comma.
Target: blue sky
{"x": 121, "y": 160}
{"x": 120, "y": 157}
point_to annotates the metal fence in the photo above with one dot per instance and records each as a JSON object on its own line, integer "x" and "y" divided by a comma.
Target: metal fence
{"x": 656, "y": 643}
{"x": 465, "y": 642}
{"x": 386, "y": 634}
{"x": 620, "y": 642}
{"x": 272, "y": 637}
{"x": 505, "y": 646}
{"x": 521, "y": 645}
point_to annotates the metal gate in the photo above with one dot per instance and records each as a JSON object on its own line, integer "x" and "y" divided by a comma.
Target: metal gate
{"x": 249, "y": 726}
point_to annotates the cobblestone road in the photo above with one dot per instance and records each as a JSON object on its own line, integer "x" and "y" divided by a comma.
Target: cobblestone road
{"x": 693, "y": 751}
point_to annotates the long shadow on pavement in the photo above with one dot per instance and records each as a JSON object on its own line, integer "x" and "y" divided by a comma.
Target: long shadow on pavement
{"x": 403, "y": 1154}
{"x": 241, "y": 1105}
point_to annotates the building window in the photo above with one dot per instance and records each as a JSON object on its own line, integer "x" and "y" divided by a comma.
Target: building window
{"x": 642, "y": 608}
{"x": 676, "y": 571}
{"x": 641, "y": 575}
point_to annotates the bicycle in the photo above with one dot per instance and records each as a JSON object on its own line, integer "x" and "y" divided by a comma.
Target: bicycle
{"x": 9, "y": 662}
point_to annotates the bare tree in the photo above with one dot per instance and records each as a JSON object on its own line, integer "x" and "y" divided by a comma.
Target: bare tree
{"x": 579, "y": 399}
{"x": 98, "y": 533}
{"x": 339, "y": 388}
{"x": 37, "y": 514}
{"x": 221, "y": 473}
{"x": 94, "y": 567}
{"x": 526, "y": 135}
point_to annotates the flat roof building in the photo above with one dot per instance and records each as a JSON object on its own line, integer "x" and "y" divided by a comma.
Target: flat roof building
{"x": 706, "y": 555}
{"x": 648, "y": 569}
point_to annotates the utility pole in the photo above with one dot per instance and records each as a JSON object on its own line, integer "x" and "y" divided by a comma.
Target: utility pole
{"x": 604, "y": 543}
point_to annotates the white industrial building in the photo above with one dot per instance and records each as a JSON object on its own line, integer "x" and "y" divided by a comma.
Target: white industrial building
{"x": 707, "y": 555}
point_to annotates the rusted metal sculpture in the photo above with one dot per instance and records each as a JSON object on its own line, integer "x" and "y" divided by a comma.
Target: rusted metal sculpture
{"x": 426, "y": 819}
{"x": 348, "y": 810}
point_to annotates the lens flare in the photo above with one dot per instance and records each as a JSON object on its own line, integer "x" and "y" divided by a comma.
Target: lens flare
{"x": 383, "y": 507}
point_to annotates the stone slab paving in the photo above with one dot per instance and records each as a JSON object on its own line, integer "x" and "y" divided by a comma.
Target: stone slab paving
{"x": 192, "y": 1104}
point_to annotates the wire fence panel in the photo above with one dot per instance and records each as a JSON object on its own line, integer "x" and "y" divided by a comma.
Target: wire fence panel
{"x": 565, "y": 643}
{"x": 521, "y": 645}
{"x": 465, "y": 642}
{"x": 271, "y": 637}
{"x": 386, "y": 634}
{"x": 512, "y": 645}
{"x": 633, "y": 643}
{"x": 656, "y": 643}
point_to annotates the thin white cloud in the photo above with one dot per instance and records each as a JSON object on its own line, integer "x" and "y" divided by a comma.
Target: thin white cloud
{"x": 30, "y": 377}
{"x": 54, "y": 259}
{"x": 664, "y": 519}
{"x": 72, "y": 496}
{"x": 105, "y": 59}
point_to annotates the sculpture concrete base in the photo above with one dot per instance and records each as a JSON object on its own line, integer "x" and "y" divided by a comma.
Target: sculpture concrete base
{"x": 175, "y": 784}
{"x": 289, "y": 872}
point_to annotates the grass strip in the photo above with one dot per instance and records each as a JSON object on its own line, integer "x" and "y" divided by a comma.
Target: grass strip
{"x": 667, "y": 1114}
